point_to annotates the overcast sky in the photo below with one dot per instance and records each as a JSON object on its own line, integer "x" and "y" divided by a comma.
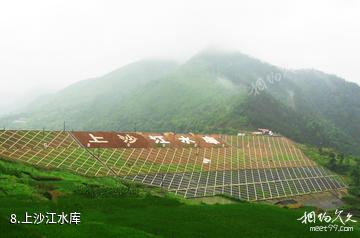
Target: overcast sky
{"x": 51, "y": 44}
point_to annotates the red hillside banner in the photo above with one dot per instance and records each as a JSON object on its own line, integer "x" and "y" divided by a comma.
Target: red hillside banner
{"x": 111, "y": 140}
{"x": 146, "y": 140}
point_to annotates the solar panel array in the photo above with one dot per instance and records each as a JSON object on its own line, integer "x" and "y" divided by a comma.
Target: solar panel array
{"x": 249, "y": 167}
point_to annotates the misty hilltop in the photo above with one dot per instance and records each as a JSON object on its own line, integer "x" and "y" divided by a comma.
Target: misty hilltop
{"x": 214, "y": 91}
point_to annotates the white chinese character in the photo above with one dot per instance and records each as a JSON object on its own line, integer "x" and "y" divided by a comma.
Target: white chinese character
{"x": 185, "y": 140}
{"x": 338, "y": 216}
{"x": 50, "y": 220}
{"x": 63, "y": 218}
{"x": 210, "y": 140}
{"x": 128, "y": 139}
{"x": 159, "y": 140}
{"x": 324, "y": 217}
{"x": 38, "y": 218}
{"x": 27, "y": 217}
{"x": 257, "y": 86}
{"x": 308, "y": 217}
{"x": 348, "y": 218}
{"x": 74, "y": 217}
{"x": 97, "y": 139}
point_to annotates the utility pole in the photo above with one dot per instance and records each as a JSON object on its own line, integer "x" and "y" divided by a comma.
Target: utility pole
{"x": 135, "y": 126}
{"x": 64, "y": 125}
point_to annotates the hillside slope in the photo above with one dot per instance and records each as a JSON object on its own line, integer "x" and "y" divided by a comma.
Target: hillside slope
{"x": 214, "y": 91}
{"x": 109, "y": 208}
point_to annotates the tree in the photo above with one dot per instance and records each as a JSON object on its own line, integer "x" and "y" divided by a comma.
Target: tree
{"x": 356, "y": 176}
{"x": 332, "y": 161}
{"x": 341, "y": 158}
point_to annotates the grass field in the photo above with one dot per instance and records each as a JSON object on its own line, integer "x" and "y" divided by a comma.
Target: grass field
{"x": 113, "y": 208}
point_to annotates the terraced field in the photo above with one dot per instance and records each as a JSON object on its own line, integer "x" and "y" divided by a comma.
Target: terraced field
{"x": 246, "y": 167}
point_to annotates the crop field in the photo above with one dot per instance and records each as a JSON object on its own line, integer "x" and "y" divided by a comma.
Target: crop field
{"x": 251, "y": 167}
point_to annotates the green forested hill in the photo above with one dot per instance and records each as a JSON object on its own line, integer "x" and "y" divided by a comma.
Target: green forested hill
{"x": 213, "y": 91}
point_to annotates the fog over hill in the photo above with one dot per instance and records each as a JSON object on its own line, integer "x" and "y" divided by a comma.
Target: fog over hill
{"x": 213, "y": 91}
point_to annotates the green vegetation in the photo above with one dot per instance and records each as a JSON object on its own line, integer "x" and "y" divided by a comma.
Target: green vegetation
{"x": 208, "y": 94}
{"x": 18, "y": 179}
{"x": 346, "y": 166}
{"x": 114, "y": 208}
